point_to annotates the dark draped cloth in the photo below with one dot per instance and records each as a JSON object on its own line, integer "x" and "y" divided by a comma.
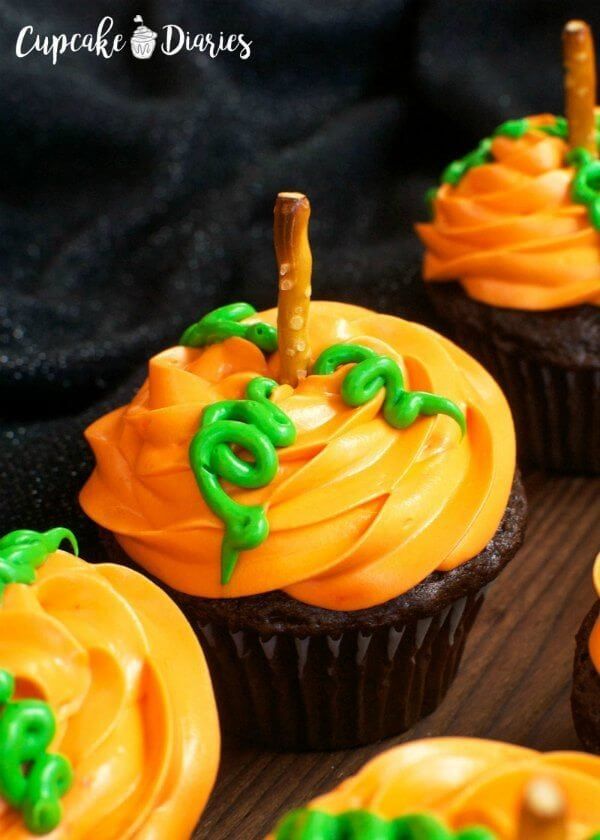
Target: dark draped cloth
{"x": 137, "y": 195}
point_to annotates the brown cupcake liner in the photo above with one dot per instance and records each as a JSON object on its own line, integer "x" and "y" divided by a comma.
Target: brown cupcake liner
{"x": 585, "y": 696}
{"x": 295, "y": 676}
{"x": 556, "y": 410}
{"x": 326, "y": 692}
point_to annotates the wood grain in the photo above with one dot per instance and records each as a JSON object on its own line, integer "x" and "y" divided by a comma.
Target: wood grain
{"x": 514, "y": 683}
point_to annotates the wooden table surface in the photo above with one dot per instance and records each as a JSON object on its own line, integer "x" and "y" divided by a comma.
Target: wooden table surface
{"x": 513, "y": 685}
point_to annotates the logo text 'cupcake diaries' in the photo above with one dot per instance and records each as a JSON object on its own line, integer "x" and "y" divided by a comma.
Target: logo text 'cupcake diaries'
{"x": 104, "y": 42}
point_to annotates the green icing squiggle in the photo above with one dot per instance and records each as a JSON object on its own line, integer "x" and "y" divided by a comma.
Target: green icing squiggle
{"x": 31, "y": 779}
{"x": 371, "y": 373}
{"x": 456, "y": 170}
{"x": 224, "y": 323}
{"x": 518, "y": 128}
{"x": 586, "y": 184}
{"x": 305, "y": 824}
{"x": 515, "y": 129}
{"x": 512, "y": 128}
{"x": 22, "y": 552}
{"x": 257, "y": 426}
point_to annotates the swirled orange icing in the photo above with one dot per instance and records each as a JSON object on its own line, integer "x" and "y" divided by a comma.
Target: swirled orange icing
{"x": 510, "y": 233}
{"x": 359, "y": 512}
{"x": 468, "y": 781}
{"x": 594, "y": 643}
{"x": 130, "y": 690}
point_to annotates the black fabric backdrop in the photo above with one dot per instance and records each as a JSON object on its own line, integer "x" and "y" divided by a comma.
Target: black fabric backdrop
{"x": 136, "y": 195}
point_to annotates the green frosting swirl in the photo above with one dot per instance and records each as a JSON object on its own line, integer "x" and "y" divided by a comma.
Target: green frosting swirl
{"x": 31, "y": 779}
{"x": 456, "y": 170}
{"x": 305, "y": 824}
{"x": 22, "y": 552}
{"x": 514, "y": 129}
{"x": 224, "y": 323}
{"x": 371, "y": 373}
{"x": 257, "y": 426}
{"x": 518, "y": 128}
{"x": 586, "y": 184}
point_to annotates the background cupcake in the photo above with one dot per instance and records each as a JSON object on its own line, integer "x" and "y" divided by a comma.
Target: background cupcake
{"x": 513, "y": 265}
{"x": 129, "y": 739}
{"x": 382, "y": 523}
{"x": 482, "y": 790}
{"x": 585, "y": 698}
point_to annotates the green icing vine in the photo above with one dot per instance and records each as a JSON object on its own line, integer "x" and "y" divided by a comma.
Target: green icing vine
{"x": 514, "y": 129}
{"x": 371, "y": 373}
{"x": 224, "y": 323}
{"x": 305, "y": 824}
{"x": 518, "y": 128}
{"x": 22, "y": 552}
{"x": 31, "y": 779}
{"x": 586, "y": 184}
{"x": 257, "y": 426}
{"x": 456, "y": 170}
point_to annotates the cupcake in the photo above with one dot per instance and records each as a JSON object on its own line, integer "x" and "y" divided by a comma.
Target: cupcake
{"x": 143, "y": 40}
{"x": 585, "y": 698}
{"x": 458, "y": 789}
{"x": 326, "y": 493}
{"x": 108, "y": 726}
{"x": 512, "y": 266}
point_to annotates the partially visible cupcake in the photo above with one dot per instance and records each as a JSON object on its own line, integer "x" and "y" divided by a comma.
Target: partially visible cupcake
{"x": 457, "y": 789}
{"x": 512, "y": 264}
{"x": 331, "y": 541}
{"x": 108, "y": 726}
{"x": 585, "y": 698}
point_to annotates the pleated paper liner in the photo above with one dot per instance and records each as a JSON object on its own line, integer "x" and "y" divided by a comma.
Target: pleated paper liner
{"x": 327, "y": 692}
{"x": 547, "y": 364}
{"x": 295, "y": 677}
{"x": 556, "y": 410}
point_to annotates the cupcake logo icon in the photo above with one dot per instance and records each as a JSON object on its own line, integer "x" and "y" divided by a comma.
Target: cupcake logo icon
{"x": 143, "y": 39}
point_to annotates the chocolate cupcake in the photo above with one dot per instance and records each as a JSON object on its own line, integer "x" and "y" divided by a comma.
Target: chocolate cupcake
{"x": 108, "y": 724}
{"x": 513, "y": 267}
{"x": 327, "y": 501}
{"x": 457, "y": 789}
{"x": 585, "y": 697}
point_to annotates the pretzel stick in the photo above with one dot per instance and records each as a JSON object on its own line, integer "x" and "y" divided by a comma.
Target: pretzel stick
{"x": 580, "y": 85}
{"x": 294, "y": 260}
{"x": 543, "y": 812}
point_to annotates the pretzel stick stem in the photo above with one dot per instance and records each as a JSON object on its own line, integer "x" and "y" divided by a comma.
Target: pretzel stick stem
{"x": 580, "y": 85}
{"x": 294, "y": 262}
{"x": 543, "y": 811}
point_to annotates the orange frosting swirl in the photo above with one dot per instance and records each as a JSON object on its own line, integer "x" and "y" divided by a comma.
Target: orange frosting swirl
{"x": 468, "y": 781}
{"x": 130, "y": 690}
{"x": 594, "y": 643}
{"x": 510, "y": 233}
{"x": 359, "y": 512}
